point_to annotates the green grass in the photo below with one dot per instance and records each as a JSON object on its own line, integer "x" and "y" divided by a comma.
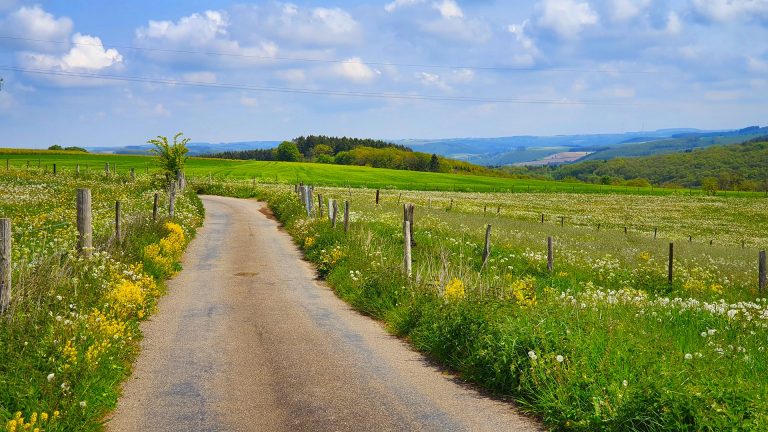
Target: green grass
{"x": 318, "y": 174}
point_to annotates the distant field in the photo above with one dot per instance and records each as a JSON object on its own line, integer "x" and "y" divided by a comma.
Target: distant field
{"x": 318, "y": 174}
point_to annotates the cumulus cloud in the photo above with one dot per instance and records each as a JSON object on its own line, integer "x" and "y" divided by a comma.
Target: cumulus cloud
{"x": 625, "y": 10}
{"x": 87, "y": 54}
{"x": 207, "y": 31}
{"x": 731, "y": 10}
{"x": 566, "y": 18}
{"x": 397, "y": 4}
{"x": 35, "y": 23}
{"x": 446, "y": 82}
{"x": 528, "y": 49}
{"x": 449, "y": 9}
{"x": 355, "y": 70}
{"x": 305, "y": 26}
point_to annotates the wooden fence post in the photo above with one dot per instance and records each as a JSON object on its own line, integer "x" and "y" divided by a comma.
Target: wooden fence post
{"x": 118, "y": 233}
{"x": 346, "y": 216}
{"x": 487, "y": 248}
{"x": 550, "y": 255}
{"x": 54, "y": 169}
{"x": 133, "y": 174}
{"x": 77, "y": 169}
{"x": 377, "y": 197}
{"x": 562, "y": 220}
{"x": 154, "y": 207}
{"x": 7, "y": 164}
{"x": 335, "y": 211}
{"x": 106, "y": 168}
{"x": 625, "y": 230}
{"x": 655, "y": 232}
{"x": 407, "y": 247}
{"x": 542, "y": 218}
{"x": 671, "y": 262}
{"x": 320, "y": 205}
{"x": 5, "y": 264}
{"x": 761, "y": 271}
{"x": 172, "y": 203}
{"x": 84, "y": 222}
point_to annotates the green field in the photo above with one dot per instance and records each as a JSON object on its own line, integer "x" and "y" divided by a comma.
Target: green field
{"x": 318, "y": 174}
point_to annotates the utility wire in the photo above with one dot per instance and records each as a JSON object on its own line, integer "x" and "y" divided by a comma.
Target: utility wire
{"x": 337, "y": 61}
{"x": 402, "y": 96}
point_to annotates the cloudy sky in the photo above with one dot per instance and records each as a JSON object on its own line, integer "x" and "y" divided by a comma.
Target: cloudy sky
{"x": 117, "y": 73}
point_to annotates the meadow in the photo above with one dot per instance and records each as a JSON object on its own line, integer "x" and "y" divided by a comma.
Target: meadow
{"x": 602, "y": 342}
{"x": 319, "y": 174}
{"x": 71, "y": 331}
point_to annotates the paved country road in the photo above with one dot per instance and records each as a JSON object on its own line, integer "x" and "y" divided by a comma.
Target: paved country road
{"x": 248, "y": 340}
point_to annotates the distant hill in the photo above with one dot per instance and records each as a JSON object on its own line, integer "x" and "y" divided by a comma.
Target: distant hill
{"x": 735, "y": 166}
{"x": 195, "y": 148}
{"x": 677, "y": 143}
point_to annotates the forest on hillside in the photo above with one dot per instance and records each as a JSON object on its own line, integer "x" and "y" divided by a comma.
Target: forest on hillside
{"x": 357, "y": 151}
{"x": 728, "y": 167}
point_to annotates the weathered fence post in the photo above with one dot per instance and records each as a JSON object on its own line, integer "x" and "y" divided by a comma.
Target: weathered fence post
{"x": 54, "y": 169}
{"x": 133, "y": 174}
{"x": 154, "y": 207}
{"x": 550, "y": 255}
{"x": 671, "y": 261}
{"x": 77, "y": 169}
{"x": 106, "y": 168}
{"x": 408, "y": 210}
{"x": 487, "y": 248}
{"x": 5, "y": 264}
{"x": 346, "y": 216}
{"x": 377, "y": 197}
{"x": 761, "y": 271}
{"x": 84, "y": 222}
{"x": 542, "y": 218}
{"x": 118, "y": 235}
{"x": 498, "y": 209}
{"x": 320, "y": 205}
{"x": 655, "y": 232}
{"x": 485, "y": 209}
{"x": 562, "y": 220}
{"x": 625, "y": 230}
{"x": 172, "y": 203}
{"x": 399, "y": 197}
{"x": 407, "y": 247}
{"x": 451, "y": 207}
{"x": 335, "y": 211}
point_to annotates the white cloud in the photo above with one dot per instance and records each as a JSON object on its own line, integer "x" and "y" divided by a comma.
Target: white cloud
{"x": 86, "y": 54}
{"x": 208, "y": 31}
{"x": 317, "y": 26}
{"x": 566, "y": 18}
{"x": 433, "y": 80}
{"x": 625, "y": 10}
{"x": 757, "y": 65}
{"x": 526, "y": 43}
{"x": 446, "y": 82}
{"x": 355, "y": 70}
{"x": 731, "y": 10}
{"x": 674, "y": 25}
{"x": 247, "y": 101}
{"x": 35, "y": 23}
{"x": 448, "y": 9}
{"x": 397, "y": 4}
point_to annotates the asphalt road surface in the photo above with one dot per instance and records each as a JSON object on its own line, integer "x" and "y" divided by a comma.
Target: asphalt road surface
{"x": 248, "y": 340}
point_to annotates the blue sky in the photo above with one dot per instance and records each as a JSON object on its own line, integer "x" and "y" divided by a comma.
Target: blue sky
{"x": 229, "y": 71}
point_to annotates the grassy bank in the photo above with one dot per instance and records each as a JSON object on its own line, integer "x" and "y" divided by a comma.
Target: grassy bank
{"x": 72, "y": 329}
{"x": 601, "y": 343}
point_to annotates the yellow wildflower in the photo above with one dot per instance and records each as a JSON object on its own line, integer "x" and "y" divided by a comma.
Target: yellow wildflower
{"x": 454, "y": 290}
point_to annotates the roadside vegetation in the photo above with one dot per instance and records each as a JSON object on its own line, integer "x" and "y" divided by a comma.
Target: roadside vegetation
{"x": 72, "y": 329}
{"x": 602, "y": 342}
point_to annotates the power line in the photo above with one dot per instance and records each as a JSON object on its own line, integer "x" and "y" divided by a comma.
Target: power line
{"x": 376, "y": 95}
{"x": 334, "y": 61}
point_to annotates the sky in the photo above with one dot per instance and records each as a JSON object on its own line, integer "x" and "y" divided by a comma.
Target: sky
{"x": 90, "y": 73}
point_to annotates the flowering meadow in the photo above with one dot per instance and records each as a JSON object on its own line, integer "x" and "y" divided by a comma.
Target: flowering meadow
{"x": 602, "y": 342}
{"x": 71, "y": 331}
